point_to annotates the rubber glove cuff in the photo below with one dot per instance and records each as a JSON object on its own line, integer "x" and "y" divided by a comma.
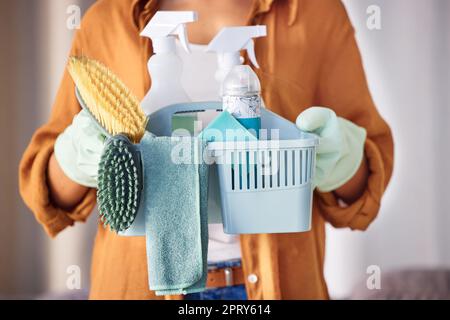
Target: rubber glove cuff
{"x": 341, "y": 148}
{"x": 78, "y": 150}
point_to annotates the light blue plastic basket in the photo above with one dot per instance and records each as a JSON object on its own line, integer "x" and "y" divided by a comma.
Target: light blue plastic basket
{"x": 265, "y": 186}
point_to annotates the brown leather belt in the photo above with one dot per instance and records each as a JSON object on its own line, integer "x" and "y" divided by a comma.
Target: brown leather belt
{"x": 225, "y": 277}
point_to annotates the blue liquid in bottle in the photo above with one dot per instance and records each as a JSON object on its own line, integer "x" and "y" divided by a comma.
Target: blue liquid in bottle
{"x": 242, "y": 99}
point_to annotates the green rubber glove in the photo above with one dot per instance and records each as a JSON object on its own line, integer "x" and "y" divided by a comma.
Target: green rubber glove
{"x": 78, "y": 150}
{"x": 341, "y": 147}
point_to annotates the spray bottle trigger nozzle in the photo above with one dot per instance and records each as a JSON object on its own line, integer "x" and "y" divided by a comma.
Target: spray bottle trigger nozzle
{"x": 182, "y": 36}
{"x": 250, "y": 48}
{"x": 166, "y": 24}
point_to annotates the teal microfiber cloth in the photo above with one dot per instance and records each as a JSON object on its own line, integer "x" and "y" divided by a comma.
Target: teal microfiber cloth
{"x": 226, "y": 128}
{"x": 175, "y": 202}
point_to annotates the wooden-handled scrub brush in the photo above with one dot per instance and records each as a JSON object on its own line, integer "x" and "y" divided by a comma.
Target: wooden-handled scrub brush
{"x": 107, "y": 98}
{"x": 118, "y": 112}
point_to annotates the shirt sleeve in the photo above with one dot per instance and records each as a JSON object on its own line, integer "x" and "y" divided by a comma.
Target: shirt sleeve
{"x": 33, "y": 166}
{"x": 342, "y": 86}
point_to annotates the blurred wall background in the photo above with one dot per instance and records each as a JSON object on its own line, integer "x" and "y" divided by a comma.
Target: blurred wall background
{"x": 34, "y": 47}
{"x": 407, "y": 65}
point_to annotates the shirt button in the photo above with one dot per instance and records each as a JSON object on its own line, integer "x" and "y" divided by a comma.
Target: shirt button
{"x": 252, "y": 278}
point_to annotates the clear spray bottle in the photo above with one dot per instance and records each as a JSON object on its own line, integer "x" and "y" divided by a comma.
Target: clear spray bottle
{"x": 240, "y": 86}
{"x": 242, "y": 97}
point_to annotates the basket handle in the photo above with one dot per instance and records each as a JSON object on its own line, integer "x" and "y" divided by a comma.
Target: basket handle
{"x": 160, "y": 122}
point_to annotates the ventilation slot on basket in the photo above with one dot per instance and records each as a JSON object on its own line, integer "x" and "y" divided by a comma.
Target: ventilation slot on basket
{"x": 293, "y": 167}
{"x": 270, "y": 169}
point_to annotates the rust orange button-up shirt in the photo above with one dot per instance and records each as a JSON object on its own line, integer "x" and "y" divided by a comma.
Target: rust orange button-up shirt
{"x": 308, "y": 58}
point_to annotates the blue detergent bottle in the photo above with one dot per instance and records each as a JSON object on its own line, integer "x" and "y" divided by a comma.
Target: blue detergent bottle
{"x": 241, "y": 97}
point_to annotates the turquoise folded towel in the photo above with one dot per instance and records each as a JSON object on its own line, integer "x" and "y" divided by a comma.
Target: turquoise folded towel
{"x": 175, "y": 199}
{"x": 225, "y": 127}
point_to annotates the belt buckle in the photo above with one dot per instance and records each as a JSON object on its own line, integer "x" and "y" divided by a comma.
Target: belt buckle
{"x": 229, "y": 279}
{"x": 212, "y": 268}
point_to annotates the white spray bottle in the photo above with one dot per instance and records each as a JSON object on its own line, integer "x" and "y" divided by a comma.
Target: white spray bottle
{"x": 165, "y": 66}
{"x": 240, "y": 87}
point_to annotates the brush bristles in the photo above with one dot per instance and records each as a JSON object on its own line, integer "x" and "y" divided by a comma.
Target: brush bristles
{"x": 107, "y": 98}
{"x": 119, "y": 184}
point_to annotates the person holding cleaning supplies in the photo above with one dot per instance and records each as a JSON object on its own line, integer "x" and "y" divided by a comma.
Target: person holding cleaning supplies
{"x": 309, "y": 58}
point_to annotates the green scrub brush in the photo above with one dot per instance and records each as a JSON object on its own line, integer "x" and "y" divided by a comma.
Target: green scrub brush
{"x": 118, "y": 112}
{"x": 119, "y": 183}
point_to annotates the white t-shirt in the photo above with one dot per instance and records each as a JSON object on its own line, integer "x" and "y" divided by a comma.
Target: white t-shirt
{"x": 198, "y": 80}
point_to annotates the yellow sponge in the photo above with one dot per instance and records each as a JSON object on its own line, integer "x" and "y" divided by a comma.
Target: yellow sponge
{"x": 115, "y": 108}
